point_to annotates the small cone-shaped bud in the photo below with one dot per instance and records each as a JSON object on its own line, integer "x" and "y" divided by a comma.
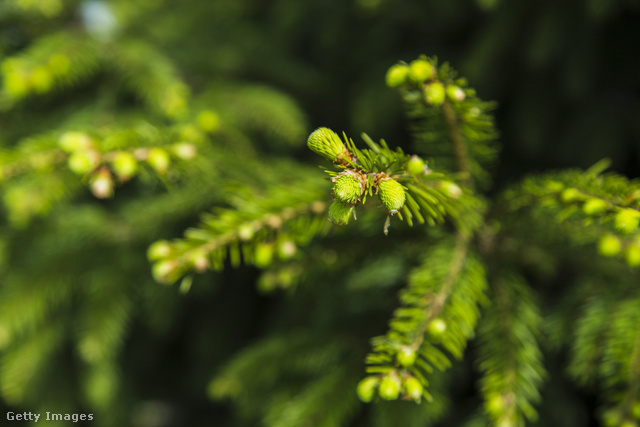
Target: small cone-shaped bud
{"x": 208, "y": 121}
{"x": 434, "y": 93}
{"x": 570, "y": 195}
{"x": 627, "y": 220}
{"x": 594, "y": 206}
{"x": 184, "y": 150}
{"x": 347, "y": 188}
{"x": 632, "y": 255}
{"x": 436, "y": 328}
{"x": 340, "y": 213}
{"x": 263, "y": 254}
{"x": 158, "y": 250}
{"x": 124, "y": 165}
{"x": 389, "y": 388}
{"x": 392, "y": 194}
{"x": 159, "y": 160}
{"x": 74, "y": 141}
{"x": 406, "y": 356}
{"x": 327, "y": 143}
{"x": 367, "y": 388}
{"x": 451, "y": 189}
{"x": 163, "y": 270}
{"x": 455, "y": 93}
{"x": 413, "y": 388}
{"x": 420, "y": 71}
{"x": 397, "y": 75}
{"x": 609, "y": 245}
{"x": 102, "y": 184}
{"x": 83, "y": 162}
{"x": 415, "y": 165}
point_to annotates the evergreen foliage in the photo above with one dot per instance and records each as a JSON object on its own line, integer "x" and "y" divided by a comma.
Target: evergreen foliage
{"x": 400, "y": 286}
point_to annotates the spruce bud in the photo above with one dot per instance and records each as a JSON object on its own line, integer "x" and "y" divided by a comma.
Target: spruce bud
{"x": 208, "y": 121}
{"x": 102, "y": 184}
{"x": 413, "y": 388}
{"x": 434, "y": 94}
{"x": 367, "y": 388}
{"x": 340, "y": 213}
{"x": 397, "y": 75}
{"x": 74, "y": 141}
{"x": 632, "y": 255}
{"x": 83, "y": 162}
{"x": 406, "y": 356}
{"x": 389, "y": 387}
{"x": 436, "y": 328}
{"x": 455, "y": 93}
{"x": 327, "y": 143}
{"x": 570, "y": 195}
{"x": 594, "y": 206}
{"x": 392, "y": 194}
{"x": 41, "y": 80}
{"x": 347, "y": 187}
{"x": 263, "y": 254}
{"x": 627, "y": 220}
{"x": 420, "y": 71}
{"x": 609, "y": 245}
{"x": 124, "y": 165}
{"x": 158, "y": 250}
{"x": 159, "y": 160}
{"x": 415, "y": 165}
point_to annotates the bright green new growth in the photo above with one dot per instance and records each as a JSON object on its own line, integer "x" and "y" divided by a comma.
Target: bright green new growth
{"x": 340, "y": 213}
{"x": 391, "y": 194}
{"x": 327, "y": 143}
{"x": 347, "y": 188}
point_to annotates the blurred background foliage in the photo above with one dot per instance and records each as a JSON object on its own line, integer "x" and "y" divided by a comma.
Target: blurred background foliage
{"x": 84, "y": 328}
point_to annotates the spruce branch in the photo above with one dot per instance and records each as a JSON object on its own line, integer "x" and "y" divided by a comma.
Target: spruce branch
{"x": 509, "y": 356}
{"x": 439, "y": 312}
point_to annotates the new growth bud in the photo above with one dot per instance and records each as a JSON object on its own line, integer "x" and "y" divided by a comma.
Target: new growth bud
{"x": 391, "y": 194}
{"x": 340, "y": 213}
{"x": 434, "y": 94}
{"x": 389, "y": 387}
{"x": 327, "y": 143}
{"x": 367, "y": 388}
{"x": 397, "y": 75}
{"x": 627, "y": 220}
{"x": 347, "y": 187}
{"x": 415, "y": 165}
{"x": 420, "y": 71}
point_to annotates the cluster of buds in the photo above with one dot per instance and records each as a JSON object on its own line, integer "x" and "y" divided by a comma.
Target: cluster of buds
{"x": 422, "y": 73}
{"x": 102, "y": 169}
{"x": 390, "y": 387}
{"x": 23, "y": 77}
{"x": 352, "y": 183}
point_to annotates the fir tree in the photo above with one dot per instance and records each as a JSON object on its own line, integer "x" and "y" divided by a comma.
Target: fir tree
{"x": 384, "y": 282}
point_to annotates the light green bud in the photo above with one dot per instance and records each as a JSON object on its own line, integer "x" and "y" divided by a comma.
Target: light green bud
{"x": 455, "y": 93}
{"x": 327, "y": 143}
{"x": 609, "y": 245}
{"x": 208, "y": 121}
{"x": 391, "y": 194}
{"x": 74, "y": 141}
{"x": 158, "y": 250}
{"x": 434, "y": 94}
{"x": 389, "y": 388}
{"x": 83, "y": 162}
{"x": 632, "y": 255}
{"x": 627, "y": 220}
{"x": 263, "y": 254}
{"x": 406, "y": 356}
{"x": 367, "y": 388}
{"x": 413, "y": 388}
{"x": 347, "y": 188}
{"x": 159, "y": 160}
{"x": 415, "y": 165}
{"x": 397, "y": 75}
{"x": 436, "y": 328}
{"x": 124, "y": 165}
{"x": 420, "y": 71}
{"x": 340, "y": 213}
{"x": 594, "y": 206}
{"x": 41, "y": 80}
{"x": 570, "y": 195}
